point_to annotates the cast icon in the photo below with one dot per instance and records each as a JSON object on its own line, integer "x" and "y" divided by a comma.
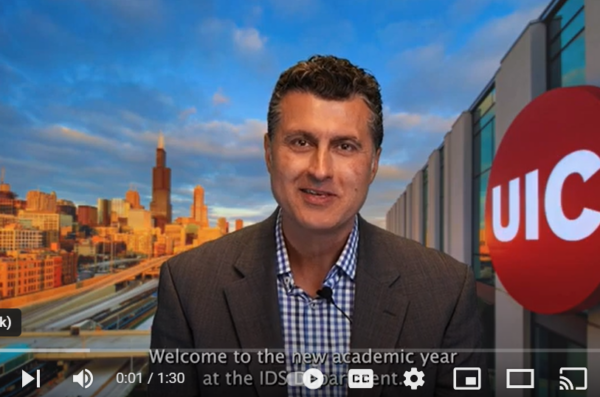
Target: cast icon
{"x": 577, "y": 379}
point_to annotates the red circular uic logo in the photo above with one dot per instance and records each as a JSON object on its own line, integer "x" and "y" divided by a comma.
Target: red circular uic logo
{"x": 542, "y": 212}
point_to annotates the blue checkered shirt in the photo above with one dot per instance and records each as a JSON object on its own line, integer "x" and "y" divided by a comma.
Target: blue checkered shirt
{"x": 312, "y": 325}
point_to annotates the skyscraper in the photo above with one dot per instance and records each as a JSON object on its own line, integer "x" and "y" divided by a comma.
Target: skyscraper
{"x": 41, "y": 202}
{"x": 205, "y": 222}
{"x": 133, "y": 198}
{"x": 222, "y": 225}
{"x": 239, "y": 224}
{"x": 7, "y": 198}
{"x": 197, "y": 208}
{"x": 104, "y": 212}
{"x": 160, "y": 207}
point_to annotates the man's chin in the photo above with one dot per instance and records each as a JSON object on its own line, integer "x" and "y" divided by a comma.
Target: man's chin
{"x": 320, "y": 224}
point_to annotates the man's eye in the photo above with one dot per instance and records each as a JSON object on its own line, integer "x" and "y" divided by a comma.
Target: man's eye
{"x": 300, "y": 142}
{"x": 347, "y": 147}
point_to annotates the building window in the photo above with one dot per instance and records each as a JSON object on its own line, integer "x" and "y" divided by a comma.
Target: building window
{"x": 483, "y": 154}
{"x": 424, "y": 238}
{"x": 441, "y": 244}
{"x": 566, "y": 45}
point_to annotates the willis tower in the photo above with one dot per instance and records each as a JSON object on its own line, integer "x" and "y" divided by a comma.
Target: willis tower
{"x": 160, "y": 207}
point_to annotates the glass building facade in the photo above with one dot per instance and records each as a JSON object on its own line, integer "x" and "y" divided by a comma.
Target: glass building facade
{"x": 424, "y": 237}
{"x": 483, "y": 154}
{"x": 566, "y": 45}
{"x": 566, "y": 67}
{"x": 441, "y": 217}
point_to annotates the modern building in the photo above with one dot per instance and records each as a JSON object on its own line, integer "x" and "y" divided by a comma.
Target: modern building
{"x": 140, "y": 219}
{"x": 15, "y": 237}
{"x": 41, "y": 202}
{"x": 205, "y": 221}
{"x": 160, "y": 207}
{"x": 239, "y": 224}
{"x": 87, "y": 215}
{"x": 44, "y": 220}
{"x": 7, "y": 197}
{"x": 6, "y": 219}
{"x": 67, "y": 207}
{"x": 121, "y": 207}
{"x": 104, "y": 212}
{"x": 133, "y": 198}
{"x": 197, "y": 207}
{"x": 176, "y": 234}
{"x": 222, "y": 225}
{"x": 443, "y": 205}
{"x": 26, "y": 273}
{"x": 69, "y": 267}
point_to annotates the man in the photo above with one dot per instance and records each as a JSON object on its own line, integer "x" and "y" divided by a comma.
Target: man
{"x": 315, "y": 277}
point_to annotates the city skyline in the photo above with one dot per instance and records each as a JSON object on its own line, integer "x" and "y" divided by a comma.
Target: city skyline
{"x": 84, "y": 124}
{"x": 48, "y": 201}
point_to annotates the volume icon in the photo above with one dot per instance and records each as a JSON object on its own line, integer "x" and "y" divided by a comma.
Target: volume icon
{"x": 84, "y": 378}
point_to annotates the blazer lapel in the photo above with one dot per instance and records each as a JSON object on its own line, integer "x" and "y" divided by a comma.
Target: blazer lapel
{"x": 253, "y": 302}
{"x": 380, "y": 304}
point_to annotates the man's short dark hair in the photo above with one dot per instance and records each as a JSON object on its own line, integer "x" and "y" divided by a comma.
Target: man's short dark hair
{"x": 332, "y": 78}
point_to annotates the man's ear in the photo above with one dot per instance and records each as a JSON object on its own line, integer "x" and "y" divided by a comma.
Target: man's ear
{"x": 268, "y": 152}
{"x": 375, "y": 164}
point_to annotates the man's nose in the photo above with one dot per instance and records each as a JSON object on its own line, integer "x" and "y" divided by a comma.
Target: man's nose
{"x": 321, "y": 164}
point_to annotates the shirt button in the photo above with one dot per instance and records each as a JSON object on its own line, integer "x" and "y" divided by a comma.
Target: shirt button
{"x": 313, "y": 305}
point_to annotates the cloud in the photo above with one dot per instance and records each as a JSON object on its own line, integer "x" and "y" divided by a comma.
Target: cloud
{"x": 213, "y": 139}
{"x": 219, "y": 98}
{"x": 77, "y": 137}
{"x": 220, "y": 35}
{"x": 248, "y": 39}
{"x": 434, "y": 78}
{"x": 388, "y": 172}
{"x": 404, "y": 121}
{"x": 184, "y": 114}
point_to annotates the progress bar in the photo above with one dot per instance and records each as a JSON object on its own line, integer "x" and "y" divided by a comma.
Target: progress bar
{"x": 49, "y": 350}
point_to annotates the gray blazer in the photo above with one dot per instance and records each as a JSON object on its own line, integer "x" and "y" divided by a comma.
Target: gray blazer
{"x": 223, "y": 296}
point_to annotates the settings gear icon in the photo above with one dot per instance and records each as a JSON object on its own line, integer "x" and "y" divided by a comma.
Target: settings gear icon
{"x": 414, "y": 384}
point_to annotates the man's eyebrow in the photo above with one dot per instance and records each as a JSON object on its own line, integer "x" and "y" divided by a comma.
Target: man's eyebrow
{"x": 312, "y": 137}
{"x": 300, "y": 133}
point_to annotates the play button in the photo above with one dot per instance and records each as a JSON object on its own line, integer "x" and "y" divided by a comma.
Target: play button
{"x": 27, "y": 379}
{"x": 313, "y": 378}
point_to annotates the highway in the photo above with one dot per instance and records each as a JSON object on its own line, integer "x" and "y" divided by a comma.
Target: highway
{"x": 104, "y": 304}
{"x": 146, "y": 325}
{"x": 58, "y": 296}
{"x": 47, "y": 322}
{"x": 46, "y": 313}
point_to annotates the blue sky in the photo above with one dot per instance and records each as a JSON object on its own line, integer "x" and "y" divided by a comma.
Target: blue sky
{"x": 86, "y": 86}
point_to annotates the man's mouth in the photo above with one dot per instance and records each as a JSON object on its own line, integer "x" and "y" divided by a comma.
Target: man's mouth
{"x": 318, "y": 193}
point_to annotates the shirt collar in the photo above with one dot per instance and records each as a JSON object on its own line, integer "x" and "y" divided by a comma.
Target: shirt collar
{"x": 346, "y": 261}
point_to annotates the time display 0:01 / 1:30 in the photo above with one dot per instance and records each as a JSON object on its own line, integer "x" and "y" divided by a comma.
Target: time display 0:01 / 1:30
{"x": 132, "y": 377}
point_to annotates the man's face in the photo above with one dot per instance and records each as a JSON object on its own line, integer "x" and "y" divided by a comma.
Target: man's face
{"x": 321, "y": 159}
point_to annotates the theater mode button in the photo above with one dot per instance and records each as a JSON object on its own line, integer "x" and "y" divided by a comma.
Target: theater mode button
{"x": 313, "y": 378}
